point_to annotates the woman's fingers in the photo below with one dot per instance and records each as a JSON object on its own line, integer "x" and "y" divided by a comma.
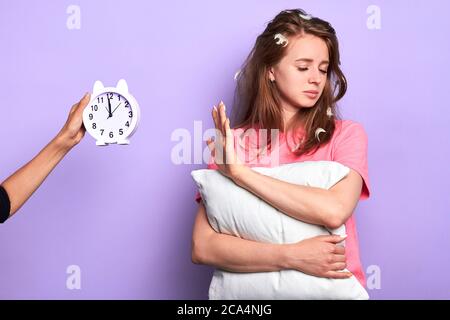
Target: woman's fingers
{"x": 215, "y": 114}
{"x": 223, "y": 116}
{"x": 220, "y": 117}
{"x": 339, "y": 249}
{"x": 338, "y": 274}
{"x": 339, "y": 258}
{"x": 217, "y": 124}
{"x": 337, "y": 266}
{"x": 224, "y": 135}
{"x": 216, "y": 119}
{"x": 228, "y": 134}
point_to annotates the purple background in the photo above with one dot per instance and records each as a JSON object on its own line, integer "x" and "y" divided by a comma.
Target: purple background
{"x": 125, "y": 214}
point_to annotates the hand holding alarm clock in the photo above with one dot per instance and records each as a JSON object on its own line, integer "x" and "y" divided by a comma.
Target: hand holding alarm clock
{"x": 112, "y": 114}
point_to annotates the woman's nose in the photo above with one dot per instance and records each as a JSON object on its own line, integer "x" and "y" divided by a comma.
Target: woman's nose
{"x": 314, "y": 77}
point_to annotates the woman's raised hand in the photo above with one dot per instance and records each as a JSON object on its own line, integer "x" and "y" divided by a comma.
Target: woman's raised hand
{"x": 222, "y": 148}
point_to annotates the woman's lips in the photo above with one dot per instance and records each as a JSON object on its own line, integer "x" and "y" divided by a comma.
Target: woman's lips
{"x": 311, "y": 94}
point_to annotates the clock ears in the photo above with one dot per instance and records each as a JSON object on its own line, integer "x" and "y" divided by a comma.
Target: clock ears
{"x": 121, "y": 86}
{"x": 98, "y": 86}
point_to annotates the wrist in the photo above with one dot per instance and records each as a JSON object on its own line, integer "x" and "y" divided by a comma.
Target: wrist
{"x": 239, "y": 173}
{"x": 281, "y": 257}
{"x": 63, "y": 143}
{"x": 289, "y": 256}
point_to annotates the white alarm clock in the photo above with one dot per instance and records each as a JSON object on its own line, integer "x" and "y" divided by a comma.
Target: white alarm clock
{"x": 112, "y": 115}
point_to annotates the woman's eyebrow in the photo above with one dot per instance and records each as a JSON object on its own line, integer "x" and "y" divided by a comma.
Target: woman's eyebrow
{"x": 311, "y": 60}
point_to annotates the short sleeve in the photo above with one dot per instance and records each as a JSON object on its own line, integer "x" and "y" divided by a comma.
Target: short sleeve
{"x": 212, "y": 166}
{"x": 351, "y": 150}
{"x": 5, "y": 205}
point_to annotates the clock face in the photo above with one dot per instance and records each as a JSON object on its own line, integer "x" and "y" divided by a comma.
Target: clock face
{"x": 109, "y": 117}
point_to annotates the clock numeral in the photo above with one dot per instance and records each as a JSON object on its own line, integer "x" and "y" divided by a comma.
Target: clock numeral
{"x": 100, "y": 99}
{"x": 111, "y": 95}
{"x": 111, "y": 135}
{"x": 94, "y": 108}
{"x": 102, "y": 130}
{"x": 91, "y": 116}
{"x": 127, "y": 124}
{"x": 130, "y": 114}
{"x": 94, "y": 126}
{"x": 127, "y": 104}
{"x": 118, "y": 96}
{"x": 120, "y": 132}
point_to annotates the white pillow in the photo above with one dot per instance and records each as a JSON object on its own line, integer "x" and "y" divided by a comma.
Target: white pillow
{"x": 235, "y": 211}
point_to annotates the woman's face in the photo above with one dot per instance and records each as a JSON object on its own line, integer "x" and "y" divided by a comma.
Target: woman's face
{"x": 303, "y": 68}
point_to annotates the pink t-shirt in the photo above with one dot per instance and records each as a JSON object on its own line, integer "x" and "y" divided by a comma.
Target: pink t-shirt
{"x": 348, "y": 146}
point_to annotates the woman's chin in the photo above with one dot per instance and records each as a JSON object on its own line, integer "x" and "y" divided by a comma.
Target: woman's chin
{"x": 307, "y": 103}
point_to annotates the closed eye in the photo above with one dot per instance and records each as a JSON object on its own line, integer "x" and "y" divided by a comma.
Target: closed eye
{"x": 304, "y": 69}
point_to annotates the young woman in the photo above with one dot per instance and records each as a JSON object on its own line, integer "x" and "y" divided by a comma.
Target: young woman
{"x": 291, "y": 81}
{"x": 16, "y": 189}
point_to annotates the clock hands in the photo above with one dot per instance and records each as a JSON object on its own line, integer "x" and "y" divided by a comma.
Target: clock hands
{"x": 116, "y": 108}
{"x": 109, "y": 107}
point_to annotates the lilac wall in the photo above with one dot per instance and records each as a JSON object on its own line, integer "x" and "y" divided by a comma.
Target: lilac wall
{"x": 124, "y": 215}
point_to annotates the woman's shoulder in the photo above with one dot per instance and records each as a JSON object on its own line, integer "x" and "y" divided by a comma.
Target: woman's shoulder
{"x": 348, "y": 128}
{"x": 348, "y": 125}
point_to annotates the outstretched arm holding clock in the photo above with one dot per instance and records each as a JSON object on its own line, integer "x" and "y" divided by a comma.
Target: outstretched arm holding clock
{"x": 16, "y": 189}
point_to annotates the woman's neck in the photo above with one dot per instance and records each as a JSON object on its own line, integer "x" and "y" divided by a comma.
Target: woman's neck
{"x": 288, "y": 113}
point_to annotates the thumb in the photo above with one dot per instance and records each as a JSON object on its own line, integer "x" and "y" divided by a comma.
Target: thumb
{"x": 210, "y": 144}
{"x": 85, "y": 100}
{"x": 83, "y": 103}
{"x": 211, "y": 147}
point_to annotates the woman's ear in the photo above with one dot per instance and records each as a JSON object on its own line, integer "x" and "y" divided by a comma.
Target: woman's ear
{"x": 271, "y": 75}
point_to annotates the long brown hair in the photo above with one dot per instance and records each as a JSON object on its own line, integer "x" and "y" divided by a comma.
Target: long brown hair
{"x": 257, "y": 101}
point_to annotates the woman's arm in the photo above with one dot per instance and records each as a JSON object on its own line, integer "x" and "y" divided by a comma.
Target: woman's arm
{"x": 231, "y": 253}
{"x": 24, "y": 182}
{"x": 319, "y": 256}
{"x": 330, "y": 208}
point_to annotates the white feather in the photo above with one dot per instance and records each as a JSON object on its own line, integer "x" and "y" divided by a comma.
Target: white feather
{"x": 306, "y": 17}
{"x": 318, "y": 131}
{"x": 281, "y": 40}
{"x": 329, "y": 112}
{"x": 236, "y": 75}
